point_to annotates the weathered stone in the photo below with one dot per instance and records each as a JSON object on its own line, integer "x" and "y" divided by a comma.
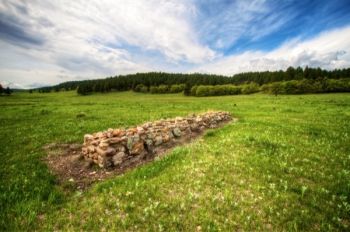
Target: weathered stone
{"x": 170, "y": 134}
{"x": 98, "y": 135}
{"x": 103, "y": 145}
{"x": 110, "y": 151}
{"x": 149, "y": 144}
{"x": 88, "y": 138}
{"x": 94, "y": 142}
{"x": 158, "y": 123}
{"x": 147, "y": 125}
{"x": 103, "y": 162}
{"x": 118, "y": 133}
{"x": 138, "y": 148}
{"x": 179, "y": 118}
{"x": 109, "y": 135}
{"x": 165, "y": 138}
{"x": 131, "y": 131}
{"x": 177, "y": 132}
{"x": 118, "y": 158}
{"x": 184, "y": 127}
{"x": 101, "y": 152}
{"x": 91, "y": 149}
{"x": 158, "y": 140}
{"x": 213, "y": 125}
{"x": 116, "y": 140}
{"x": 132, "y": 140}
{"x": 140, "y": 130}
{"x": 194, "y": 127}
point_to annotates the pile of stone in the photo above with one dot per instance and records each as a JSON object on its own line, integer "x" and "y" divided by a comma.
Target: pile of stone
{"x": 121, "y": 147}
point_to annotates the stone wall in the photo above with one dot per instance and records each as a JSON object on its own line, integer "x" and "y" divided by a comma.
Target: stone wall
{"x": 122, "y": 147}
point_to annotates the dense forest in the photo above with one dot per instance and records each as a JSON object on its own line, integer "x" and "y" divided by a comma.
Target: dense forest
{"x": 159, "y": 82}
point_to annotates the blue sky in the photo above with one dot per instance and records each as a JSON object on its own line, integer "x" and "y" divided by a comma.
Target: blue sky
{"x": 48, "y": 42}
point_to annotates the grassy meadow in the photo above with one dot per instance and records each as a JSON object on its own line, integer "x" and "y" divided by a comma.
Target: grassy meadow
{"x": 284, "y": 166}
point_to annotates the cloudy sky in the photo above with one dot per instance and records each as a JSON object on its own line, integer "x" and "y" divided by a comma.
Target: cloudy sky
{"x": 46, "y": 42}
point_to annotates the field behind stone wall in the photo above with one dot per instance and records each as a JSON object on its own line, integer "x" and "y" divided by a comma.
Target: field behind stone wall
{"x": 284, "y": 165}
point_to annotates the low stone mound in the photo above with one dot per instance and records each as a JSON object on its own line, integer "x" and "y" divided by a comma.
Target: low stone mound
{"x": 122, "y": 147}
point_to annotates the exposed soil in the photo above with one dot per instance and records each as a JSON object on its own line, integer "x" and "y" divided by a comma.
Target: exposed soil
{"x": 73, "y": 171}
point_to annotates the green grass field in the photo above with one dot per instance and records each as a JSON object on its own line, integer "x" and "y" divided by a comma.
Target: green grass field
{"x": 284, "y": 166}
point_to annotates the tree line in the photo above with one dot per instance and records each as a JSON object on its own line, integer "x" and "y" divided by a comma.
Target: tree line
{"x": 321, "y": 85}
{"x": 161, "y": 82}
{"x": 5, "y": 91}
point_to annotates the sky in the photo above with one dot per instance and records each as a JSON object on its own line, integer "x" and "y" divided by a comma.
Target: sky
{"x": 46, "y": 42}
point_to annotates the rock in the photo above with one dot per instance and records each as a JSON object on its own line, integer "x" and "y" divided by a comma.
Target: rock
{"x": 118, "y": 133}
{"x": 147, "y": 125}
{"x": 140, "y": 130}
{"x": 110, "y": 151}
{"x": 158, "y": 140}
{"x": 177, "y": 132}
{"x": 132, "y": 140}
{"x": 109, "y": 135}
{"x": 100, "y": 151}
{"x": 170, "y": 134}
{"x": 131, "y": 131}
{"x": 98, "y": 135}
{"x": 179, "y": 118}
{"x": 194, "y": 127}
{"x": 150, "y": 135}
{"x": 138, "y": 148}
{"x": 103, "y": 162}
{"x": 149, "y": 145}
{"x": 158, "y": 123}
{"x": 94, "y": 142}
{"x": 116, "y": 140}
{"x": 165, "y": 138}
{"x": 213, "y": 125}
{"x": 119, "y": 147}
{"x": 118, "y": 158}
{"x": 103, "y": 146}
{"x": 88, "y": 138}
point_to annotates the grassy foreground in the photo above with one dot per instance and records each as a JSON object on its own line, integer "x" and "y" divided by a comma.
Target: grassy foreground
{"x": 285, "y": 165}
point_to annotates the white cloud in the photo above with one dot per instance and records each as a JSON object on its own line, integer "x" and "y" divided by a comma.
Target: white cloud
{"x": 48, "y": 42}
{"x": 90, "y": 38}
{"x": 329, "y": 50}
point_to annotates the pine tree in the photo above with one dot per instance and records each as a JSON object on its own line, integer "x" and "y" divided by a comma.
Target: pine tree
{"x": 8, "y": 91}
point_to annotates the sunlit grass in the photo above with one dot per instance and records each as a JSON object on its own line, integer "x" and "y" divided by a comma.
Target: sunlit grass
{"x": 285, "y": 165}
